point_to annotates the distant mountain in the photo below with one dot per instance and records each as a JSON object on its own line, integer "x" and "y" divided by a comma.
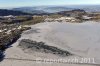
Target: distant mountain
{"x": 56, "y": 9}
{"x": 92, "y": 9}
{"x": 32, "y": 10}
{"x": 73, "y": 13}
{"x": 87, "y": 8}
{"x": 5, "y": 12}
{"x": 53, "y": 9}
{"x": 42, "y": 9}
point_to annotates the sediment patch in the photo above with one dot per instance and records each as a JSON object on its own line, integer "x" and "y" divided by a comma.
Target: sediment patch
{"x": 42, "y": 47}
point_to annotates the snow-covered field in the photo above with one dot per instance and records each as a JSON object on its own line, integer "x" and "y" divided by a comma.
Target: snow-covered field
{"x": 81, "y": 39}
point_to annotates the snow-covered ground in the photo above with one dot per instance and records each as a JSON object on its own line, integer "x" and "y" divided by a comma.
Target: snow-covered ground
{"x": 81, "y": 39}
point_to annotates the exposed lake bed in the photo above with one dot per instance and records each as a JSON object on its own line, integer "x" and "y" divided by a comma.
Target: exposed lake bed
{"x": 80, "y": 39}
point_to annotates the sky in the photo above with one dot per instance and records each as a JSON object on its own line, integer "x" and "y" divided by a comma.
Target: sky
{"x": 22, "y": 3}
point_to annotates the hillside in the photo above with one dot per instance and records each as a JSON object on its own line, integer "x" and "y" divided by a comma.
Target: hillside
{"x": 5, "y": 12}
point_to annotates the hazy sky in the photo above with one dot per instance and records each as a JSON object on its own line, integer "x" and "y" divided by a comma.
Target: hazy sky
{"x": 21, "y": 3}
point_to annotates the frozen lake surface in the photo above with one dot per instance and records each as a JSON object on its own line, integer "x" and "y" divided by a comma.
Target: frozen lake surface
{"x": 82, "y": 39}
